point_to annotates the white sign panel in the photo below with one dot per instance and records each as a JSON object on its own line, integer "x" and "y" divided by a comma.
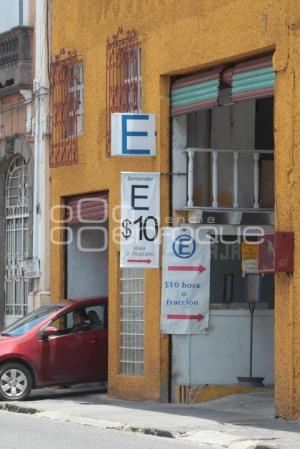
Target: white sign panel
{"x": 140, "y": 216}
{"x": 29, "y": 268}
{"x": 185, "y": 281}
{"x": 133, "y": 134}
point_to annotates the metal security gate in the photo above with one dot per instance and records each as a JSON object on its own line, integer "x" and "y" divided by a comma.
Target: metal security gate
{"x": 17, "y": 239}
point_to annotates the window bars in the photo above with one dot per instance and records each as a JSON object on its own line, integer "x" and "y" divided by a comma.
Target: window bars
{"x": 66, "y": 84}
{"x": 123, "y": 76}
{"x": 17, "y": 239}
{"x": 132, "y": 321}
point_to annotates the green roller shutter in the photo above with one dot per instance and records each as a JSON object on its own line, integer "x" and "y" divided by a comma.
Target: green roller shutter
{"x": 198, "y": 91}
{"x": 253, "y": 79}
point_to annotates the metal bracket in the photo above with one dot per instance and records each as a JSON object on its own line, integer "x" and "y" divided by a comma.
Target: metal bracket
{"x": 173, "y": 174}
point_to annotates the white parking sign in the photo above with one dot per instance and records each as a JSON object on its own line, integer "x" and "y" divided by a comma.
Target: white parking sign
{"x": 185, "y": 282}
{"x": 140, "y": 212}
{"x": 133, "y": 134}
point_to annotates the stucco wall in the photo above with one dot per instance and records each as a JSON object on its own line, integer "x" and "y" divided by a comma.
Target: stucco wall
{"x": 178, "y": 37}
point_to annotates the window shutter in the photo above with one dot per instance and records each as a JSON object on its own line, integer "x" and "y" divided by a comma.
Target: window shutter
{"x": 198, "y": 91}
{"x": 253, "y": 79}
{"x": 87, "y": 208}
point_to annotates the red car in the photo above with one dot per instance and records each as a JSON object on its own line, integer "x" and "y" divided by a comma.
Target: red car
{"x": 58, "y": 344}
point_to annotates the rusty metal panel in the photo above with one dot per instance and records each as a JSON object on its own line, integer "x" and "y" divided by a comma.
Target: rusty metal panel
{"x": 87, "y": 208}
{"x": 64, "y": 104}
{"x": 123, "y": 76}
{"x": 276, "y": 253}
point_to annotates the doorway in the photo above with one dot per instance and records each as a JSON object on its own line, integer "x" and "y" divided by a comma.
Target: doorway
{"x": 86, "y": 268}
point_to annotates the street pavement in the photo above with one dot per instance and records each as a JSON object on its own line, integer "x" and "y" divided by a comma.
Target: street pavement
{"x": 28, "y": 432}
{"x": 235, "y": 422}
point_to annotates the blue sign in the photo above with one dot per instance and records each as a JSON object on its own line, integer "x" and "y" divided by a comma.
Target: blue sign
{"x": 184, "y": 246}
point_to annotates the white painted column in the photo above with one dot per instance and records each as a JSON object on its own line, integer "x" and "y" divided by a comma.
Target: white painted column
{"x": 190, "y": 202}
{"x": 235, "y": 179}
{"x": 41, "y": 196}
{"x": 179, "y": 142}
{"x": 215, "y": 178}
{"x": 256, "y": 180}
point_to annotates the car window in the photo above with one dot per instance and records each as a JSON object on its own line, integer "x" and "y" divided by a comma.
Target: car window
{"x": 61, "y": 323}
{"x": 27, "y": 323}
{"x": 82, "y": 319}
{"x": 96, "y": 315}
{"x": 65, "y": 323}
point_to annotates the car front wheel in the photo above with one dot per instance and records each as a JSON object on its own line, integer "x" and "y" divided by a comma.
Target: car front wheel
{"x": 15, "y": 382}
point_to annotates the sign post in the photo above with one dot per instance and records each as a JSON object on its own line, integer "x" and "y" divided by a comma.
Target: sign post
{"x": 140, "y": 220}
{"x": 253, "y": 282}
{"x": 185, "y": 281}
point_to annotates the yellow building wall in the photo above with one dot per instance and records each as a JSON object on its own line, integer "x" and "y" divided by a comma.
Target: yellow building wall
{"x": 180, "y": 36}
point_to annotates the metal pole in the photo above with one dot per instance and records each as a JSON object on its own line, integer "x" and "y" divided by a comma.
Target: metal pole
{"x": 235, "y": 179}
{"x": 256, "y": 180}
{"x": 21, "y": 12}
{"x": 252, "y": 309}
{"x": 190, "y": 178}
{"x": 170, "y": 371}
{"x": 190, "y": 367}
{"x": 215, "y": 178}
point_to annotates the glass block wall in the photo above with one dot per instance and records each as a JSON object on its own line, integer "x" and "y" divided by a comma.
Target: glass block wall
{"x": 132, "y": 321}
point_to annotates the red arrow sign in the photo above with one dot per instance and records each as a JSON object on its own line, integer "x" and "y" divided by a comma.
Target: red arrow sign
{"x": 199, "y": 268}
{"x": 197, "y": 317}
{"x": 139, "y": 260}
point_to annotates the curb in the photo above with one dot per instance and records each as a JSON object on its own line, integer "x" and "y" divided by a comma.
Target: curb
{"x": 17, "y": 409}
{"x": 7, "y": 407}
{"x": 150, "y": 431}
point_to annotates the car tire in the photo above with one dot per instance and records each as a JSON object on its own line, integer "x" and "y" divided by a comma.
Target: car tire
{"x": 15, "y": 382}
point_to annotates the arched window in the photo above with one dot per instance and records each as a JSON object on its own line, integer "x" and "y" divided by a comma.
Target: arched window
{"x": 17, "y": 239}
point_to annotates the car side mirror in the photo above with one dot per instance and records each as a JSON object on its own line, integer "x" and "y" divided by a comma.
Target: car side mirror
{"x": 48, "y": 332}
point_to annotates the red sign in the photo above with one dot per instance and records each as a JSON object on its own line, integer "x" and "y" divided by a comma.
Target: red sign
{"x": 276, "y": 253}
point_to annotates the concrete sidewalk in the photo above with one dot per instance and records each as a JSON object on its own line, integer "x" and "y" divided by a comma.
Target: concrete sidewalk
{"x": 239, "y": 421}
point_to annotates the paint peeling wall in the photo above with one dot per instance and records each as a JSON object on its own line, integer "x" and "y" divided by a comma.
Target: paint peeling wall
{"x": 177, "y": 37}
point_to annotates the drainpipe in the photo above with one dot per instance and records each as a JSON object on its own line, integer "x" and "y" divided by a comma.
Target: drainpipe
{"x": 41, "y": 194}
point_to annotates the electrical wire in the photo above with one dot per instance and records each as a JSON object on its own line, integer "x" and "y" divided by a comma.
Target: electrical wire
{"x": 21, "y": 103}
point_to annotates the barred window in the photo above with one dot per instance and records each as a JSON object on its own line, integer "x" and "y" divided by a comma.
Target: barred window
{"x": 66, "y": 84}
{"x": 123, "y": 75}
{"x": 132, "y": 321}
{"x": 75, "y": 94}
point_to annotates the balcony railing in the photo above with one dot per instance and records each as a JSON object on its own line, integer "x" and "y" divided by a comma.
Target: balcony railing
{"x": 233, "y": 158}
{"x": 15, "y": 59}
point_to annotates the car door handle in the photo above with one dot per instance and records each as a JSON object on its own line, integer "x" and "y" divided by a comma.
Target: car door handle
{"x": 95, "y": 340}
